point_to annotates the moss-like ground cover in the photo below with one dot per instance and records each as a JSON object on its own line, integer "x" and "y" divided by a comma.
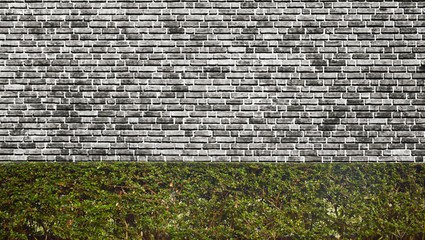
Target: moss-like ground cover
{"x": 211, "y": 201}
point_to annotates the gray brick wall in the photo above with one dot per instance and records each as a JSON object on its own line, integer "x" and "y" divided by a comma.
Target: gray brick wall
{"x": 284, "y": 80}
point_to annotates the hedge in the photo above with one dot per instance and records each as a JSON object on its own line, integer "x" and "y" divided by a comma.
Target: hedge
{"x": 100, "y": 200}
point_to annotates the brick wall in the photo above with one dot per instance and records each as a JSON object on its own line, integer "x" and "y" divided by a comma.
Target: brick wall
{"x": 212, "y": 80}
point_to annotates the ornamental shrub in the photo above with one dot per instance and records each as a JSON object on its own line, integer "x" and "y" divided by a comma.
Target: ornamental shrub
{"x": 124, "y": 200}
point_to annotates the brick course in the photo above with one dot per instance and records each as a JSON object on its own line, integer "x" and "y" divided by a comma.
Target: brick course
{"x": 280, "y": 81}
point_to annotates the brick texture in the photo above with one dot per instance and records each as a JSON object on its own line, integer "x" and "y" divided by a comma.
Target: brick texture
{"x": 215, "y": 80}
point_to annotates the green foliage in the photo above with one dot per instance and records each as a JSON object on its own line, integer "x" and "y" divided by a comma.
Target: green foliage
{"x": 211, "y": 201}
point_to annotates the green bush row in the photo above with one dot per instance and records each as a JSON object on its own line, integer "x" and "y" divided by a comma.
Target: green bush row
{"x": 211, "y": 201}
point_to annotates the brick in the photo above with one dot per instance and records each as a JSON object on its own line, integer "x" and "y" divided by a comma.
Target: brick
{"x": 261, "y": 81}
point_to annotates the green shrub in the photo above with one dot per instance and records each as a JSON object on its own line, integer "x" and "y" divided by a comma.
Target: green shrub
{"x": 211, "y": 201}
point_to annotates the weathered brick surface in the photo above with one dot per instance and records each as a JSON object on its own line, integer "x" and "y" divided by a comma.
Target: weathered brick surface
{"x": 284, "y": 80}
